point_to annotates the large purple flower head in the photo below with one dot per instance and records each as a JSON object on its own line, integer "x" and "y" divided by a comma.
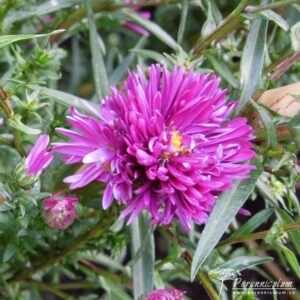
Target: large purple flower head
{"x": 166, "y": 145}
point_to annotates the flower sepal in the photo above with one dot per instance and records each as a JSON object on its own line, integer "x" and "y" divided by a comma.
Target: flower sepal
{"x": 21, "y": 177}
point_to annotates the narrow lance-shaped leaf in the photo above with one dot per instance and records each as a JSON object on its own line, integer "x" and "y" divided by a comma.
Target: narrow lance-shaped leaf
{"x": 99, "y": 68}
{"x": 6, "y": 40}
{"x": 293, "y": 235}
{"x": 223, "y": 213}
{"x": 294, "y": 127}
{"x": 153, "y": 28}
{"x": 68, "y": 100}
{"x": 272, "y": 16}
{"x": 127, "y": 62}
{"x": 244, "y": 262}
{"x": 184, "y": 13}
{"x": 268, "y": 124}
{"x": 20, "y": 126}
{"x": 257, "y": 220}
{"x": 143, "y": 268}
{"x": 145, "y": 53}
{"x": 252, "y": 60}
{"x": 38, "y": 10}
{"x": 221, "y": 68}
{"x": 292, "y": 260}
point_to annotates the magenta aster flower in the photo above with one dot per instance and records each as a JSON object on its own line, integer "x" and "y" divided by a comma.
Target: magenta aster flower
{"x": 59, "y": 210}
{"x": 166, "y": 145}
{"x": 165, "y": 294}
{"x": 138, "y": 29}
{"x": 39, "y": 157}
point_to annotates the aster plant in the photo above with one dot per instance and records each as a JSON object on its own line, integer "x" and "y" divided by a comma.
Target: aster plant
{"x": 149, "y": 149}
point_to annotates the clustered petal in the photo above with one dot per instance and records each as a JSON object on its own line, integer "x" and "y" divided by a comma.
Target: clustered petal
{"x": 59, "y": 210}
{"x": 166, "y": 145}
{"x": 39, "y": 158}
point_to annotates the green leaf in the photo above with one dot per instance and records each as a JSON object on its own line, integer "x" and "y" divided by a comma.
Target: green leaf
{"x": 153, "y": 28}
{"x": 119, "y": 72}
{"x": 268, "y": 124}
{"x": 294, "y": 127}
{"x": 295, "y": 36}
{"x": 292, "y": 260}
{"x": 224, "y": 211}
{"x": 221, "y": 68}
{"x": 38, "y": 10}
{"x": 273, "y": 16}
{"x": 258, "y": 219}
{"x": 6, "y": 40}
{"x": 293, "y": 235}
{"x": 210, "y": 24}
{"x": 150, "y": 54}
{"x": 8, "y": 252}
{"x": 115, "y": 292}
{"x": 17, "y": 124}
{"x": 68, "y": 100}
{"x": 99, "y": 68}
{"x": 143, "y": 268}
{"x": 244, "y": 262}
{"x": 181, "y": 29}
{"x": 252, "y": 60}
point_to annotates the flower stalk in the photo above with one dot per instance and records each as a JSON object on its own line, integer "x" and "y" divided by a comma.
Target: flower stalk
{"x": 7, "y": 109}
{"x": 257, "y": 235}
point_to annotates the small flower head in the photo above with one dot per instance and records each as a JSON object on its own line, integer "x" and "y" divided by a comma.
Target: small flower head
{"x": 165, "y": 294}
{"x": 166, "y": 146}
{"x": 60, "y": 210}
{"x": 1, "y": 121}
{"x": 39, "y": 157}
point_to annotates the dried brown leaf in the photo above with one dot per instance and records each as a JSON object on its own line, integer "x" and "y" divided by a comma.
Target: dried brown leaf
{"x": 282, "y": 100}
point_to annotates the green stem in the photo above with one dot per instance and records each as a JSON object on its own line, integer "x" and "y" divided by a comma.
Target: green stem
{"x": 53, "y": 290}
{"x": 63, "y": 286}
{"x": 6, "y": 107}
{"x": 231, "y": 22}
{"x": 279, "y": 61}
{"x": 203, "y": 279}
{"x": 99, "y": 228}
{"x": 201, "y": 275}
{"x": 122, "y": 279}
{"x": 5, "y": 141}
{"x": 275, "y": 5}
{"x": 284, "y": 66}
{"x": 256, "y": 236}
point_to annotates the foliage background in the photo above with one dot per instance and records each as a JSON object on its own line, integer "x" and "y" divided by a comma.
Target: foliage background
{"x": 253, "y": 45}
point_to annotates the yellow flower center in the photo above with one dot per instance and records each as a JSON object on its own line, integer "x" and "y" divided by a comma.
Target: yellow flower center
{"x": 106, "y": 166}
{"x": 176, "y": 141}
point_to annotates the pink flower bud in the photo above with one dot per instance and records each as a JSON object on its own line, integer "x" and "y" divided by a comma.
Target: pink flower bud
{"x": 59, "y": 210}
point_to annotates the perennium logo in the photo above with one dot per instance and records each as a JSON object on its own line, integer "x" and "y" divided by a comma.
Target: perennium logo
{"x": 241, "y": 286}
{"x": 267, "y": 287}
